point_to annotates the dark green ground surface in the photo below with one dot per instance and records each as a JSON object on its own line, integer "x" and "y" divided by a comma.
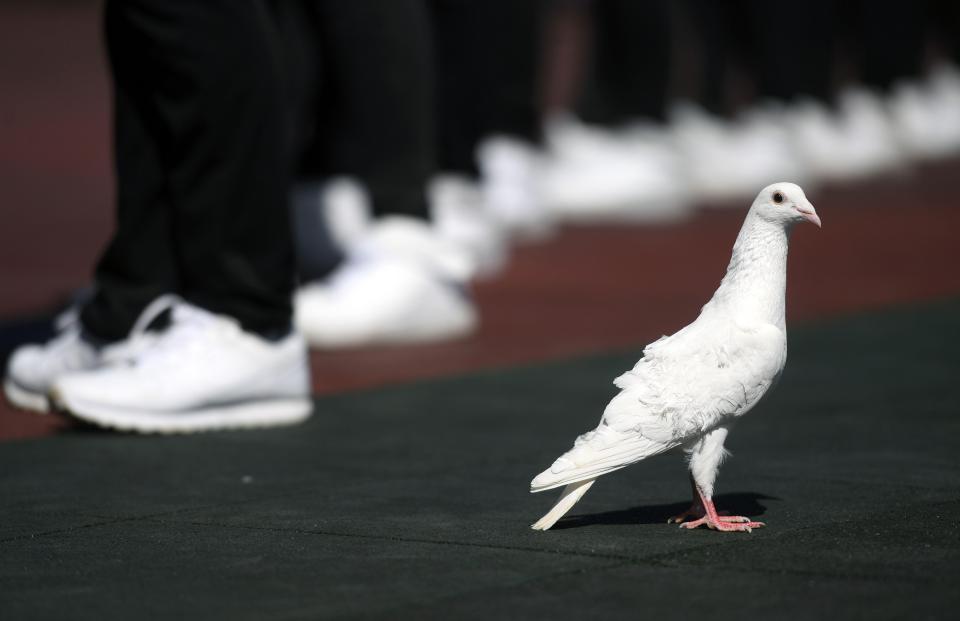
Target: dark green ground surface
{"x": 412, "y": 502}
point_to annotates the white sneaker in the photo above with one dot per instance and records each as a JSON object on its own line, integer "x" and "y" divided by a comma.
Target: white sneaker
{"x": 404, "y": 284}
{"x": 511, "y": 171}
{"x": 852, "y": 144}
{"x": 596, "y": 175}
{"x": 944, "y": 88}
{"x": 203, "y": 373}
{"x": 870, "y": 133}
{"x": 32, "y": 369}
{"x": 460, "y": 216}
{"x": 728, "y": 161}
{"x": 926, "y": 115}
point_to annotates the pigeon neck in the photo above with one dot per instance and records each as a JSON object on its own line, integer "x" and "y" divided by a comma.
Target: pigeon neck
{"x": 754, "y": 288}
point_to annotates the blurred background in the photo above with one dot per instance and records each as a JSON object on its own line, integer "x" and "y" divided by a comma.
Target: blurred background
{"x": 592, "y": 161}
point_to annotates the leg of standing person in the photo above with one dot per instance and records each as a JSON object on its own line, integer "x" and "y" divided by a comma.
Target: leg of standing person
{"x": 202, "y": 168}
{"x": 890, "y": 42}
{"x": 793, "y": 49}
{"x": 487, "y": 74}
{"x": 376, "y": 115}
{"x": 630, "y": 70}
{"x": 923, "y": 106}
{"x": 401, "y": 280}
{"x": 489, "y": 121}
{"x": 620, "y": 163}
{"x": 203, "y": 162}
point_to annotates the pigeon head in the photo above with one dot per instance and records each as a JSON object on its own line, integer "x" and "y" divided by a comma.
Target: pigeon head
{"x": 785, "y": 204}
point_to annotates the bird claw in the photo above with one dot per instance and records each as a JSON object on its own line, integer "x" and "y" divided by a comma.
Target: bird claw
{"x": 726, "y": 523}
{"x": 733, "y": 518}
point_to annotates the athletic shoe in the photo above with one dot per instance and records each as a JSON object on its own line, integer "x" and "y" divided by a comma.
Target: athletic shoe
{"x": 598, "y": 175}
{"x": 404, "y": 284}
{"x": 510, "y": 172}
{"x": 852, "y": 144}
{"x": 347, "y": 212}
{"x": 869, "y": 131}
{"x": 203, "y": 373}
{"x": 32, "y": 369}
{"x": 460, "y": 216}
{"x": 728, "y": 161}
{"x": 926, "y": 115}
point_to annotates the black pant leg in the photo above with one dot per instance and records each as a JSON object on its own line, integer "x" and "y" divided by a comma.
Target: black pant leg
{"x": 891, "y": 41}
{"x": 630, "y": 68}
{"x": 794, "y": 48}
{"x": 943, "y": 20}
{"x": 487, "y": 60}
{"x": 139, "y": 262}
{"x": 207, "y": 75}
{"x": 713, "y": 51}
{"x": 375, "y": 117}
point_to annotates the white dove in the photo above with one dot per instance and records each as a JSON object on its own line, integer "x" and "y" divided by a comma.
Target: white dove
{"x": 690, "y": 388}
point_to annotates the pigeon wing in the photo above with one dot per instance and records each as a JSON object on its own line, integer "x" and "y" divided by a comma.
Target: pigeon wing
{"x": 684, "y": 386}
{"x": 690, "y": 383}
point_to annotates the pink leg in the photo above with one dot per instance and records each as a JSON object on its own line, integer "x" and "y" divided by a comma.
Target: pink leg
{"x": 726, "y": 523}
{"x": 695, "y": 511}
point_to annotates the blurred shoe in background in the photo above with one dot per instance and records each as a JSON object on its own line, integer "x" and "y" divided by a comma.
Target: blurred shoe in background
{"x": 868, "y": 128}
{"x": 926, "y": 114}
{"x": 32, "y": 369}
{"x": 596, "y": 174}
{"x": 403, "y": 283}
{"x": 461, "y": 216}
{"x": 510, "y": 171}
{"x": 725, "y": 161}
{"x": 347, "y": 215}
{"x": 202, "y": 373}
{"x": 847, "y": 145}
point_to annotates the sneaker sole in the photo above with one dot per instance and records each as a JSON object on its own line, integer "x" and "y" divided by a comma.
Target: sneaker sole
{"x": 25, "y": 399}
{"x": 247, "y": 415}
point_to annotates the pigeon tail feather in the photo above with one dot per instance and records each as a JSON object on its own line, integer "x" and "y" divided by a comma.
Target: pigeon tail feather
{"x": 571, "y": 494}
{"x": 596, "y": 461}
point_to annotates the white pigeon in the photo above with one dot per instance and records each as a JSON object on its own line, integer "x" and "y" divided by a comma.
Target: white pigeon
{"x": 690, "y": 388}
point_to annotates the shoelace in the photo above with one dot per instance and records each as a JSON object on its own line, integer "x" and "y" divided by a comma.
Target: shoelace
{"x": 67, "y": 323}
{"x": 139, "y": 338}
{"x": 66, "y": 346}
{"x": 190, "y": 328}
{"x": 167, "y": 301}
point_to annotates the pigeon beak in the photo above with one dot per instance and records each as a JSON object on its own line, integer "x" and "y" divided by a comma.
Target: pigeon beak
{"x": 809, "y": 213}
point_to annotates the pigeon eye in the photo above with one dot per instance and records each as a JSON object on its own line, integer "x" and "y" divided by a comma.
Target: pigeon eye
{"x": 777, "y": 197}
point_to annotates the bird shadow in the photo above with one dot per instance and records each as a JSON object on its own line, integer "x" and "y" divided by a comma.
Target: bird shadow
{"x": 735, "y": 503}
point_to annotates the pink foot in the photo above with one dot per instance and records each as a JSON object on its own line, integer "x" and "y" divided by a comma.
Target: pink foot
{"x": 725, "y": 523}
{"x": 695, "y": 511}
{"x": 706, "y": 514}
